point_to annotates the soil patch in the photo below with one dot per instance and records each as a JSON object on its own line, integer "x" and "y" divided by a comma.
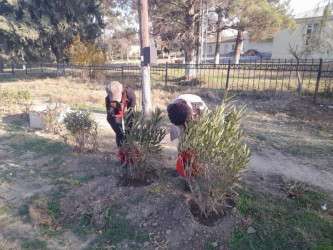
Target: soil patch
{"x": 129, "y": 182}
{"x": 213, "y": 217}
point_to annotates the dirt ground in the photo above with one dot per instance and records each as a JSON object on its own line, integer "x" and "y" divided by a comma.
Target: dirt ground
{"x": 56, "y": 198}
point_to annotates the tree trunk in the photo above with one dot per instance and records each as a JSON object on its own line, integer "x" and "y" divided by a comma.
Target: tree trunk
{"x": 111, "y": 55}
{"x": 218, "y": 34}
{"x": 60, "y": 61}
{"x": 190, "y": 71}
{"x": 145, "y": 69}
{"x": 1, "y": 66}
{"x": 189, "y": 42}
{"x": 239, "y": 45}
{"x": 198, "y": 58}
{"x": 299, "y": 79}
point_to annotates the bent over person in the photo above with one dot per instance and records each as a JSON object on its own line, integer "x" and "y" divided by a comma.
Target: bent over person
{"x": 119, "y": 97}
{"x": 182, "y": 109}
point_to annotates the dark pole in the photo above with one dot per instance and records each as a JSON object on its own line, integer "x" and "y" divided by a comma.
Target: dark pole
{"x": 318, "y": 80}
{"x": 228, "y": 75}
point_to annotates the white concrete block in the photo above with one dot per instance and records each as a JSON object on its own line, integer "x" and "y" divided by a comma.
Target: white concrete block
{"x": 36, "y": 120}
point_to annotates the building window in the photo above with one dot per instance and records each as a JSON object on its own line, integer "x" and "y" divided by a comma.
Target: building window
{"x": 210, "y": 48}
{"x": 311, "y": 32}
{"x": 233, "y": 47}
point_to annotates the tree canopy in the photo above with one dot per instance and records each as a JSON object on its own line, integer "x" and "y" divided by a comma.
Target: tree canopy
{"x": 31, "y": 30}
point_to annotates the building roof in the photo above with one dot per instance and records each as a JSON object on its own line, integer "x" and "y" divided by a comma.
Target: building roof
{"x": 317, "y": 12}
{"x": 224, "y": 39}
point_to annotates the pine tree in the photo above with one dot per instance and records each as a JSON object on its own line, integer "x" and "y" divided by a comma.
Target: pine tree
{"x": 261, "y": 19}
{"x": 30, "y": 30}
{"x": 182, "y": 18}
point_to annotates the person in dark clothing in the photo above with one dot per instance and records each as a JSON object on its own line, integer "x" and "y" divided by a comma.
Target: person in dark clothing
{"x": 119, "y": 97}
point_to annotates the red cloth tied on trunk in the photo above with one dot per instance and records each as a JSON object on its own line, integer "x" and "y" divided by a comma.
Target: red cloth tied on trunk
{"x": 124, "y": 154}
{"x": 184, "y": 159}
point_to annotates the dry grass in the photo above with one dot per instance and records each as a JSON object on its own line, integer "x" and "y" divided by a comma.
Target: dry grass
{"x": 65, "y": 90}
{"x": 91, "y": 94}
{"x": 38, "y": 211}
{"x": 6, "y": 244}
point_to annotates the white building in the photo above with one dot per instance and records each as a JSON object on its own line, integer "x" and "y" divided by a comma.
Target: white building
{"x": 308, "y": 26}
{"x": 135, "y": 51}
{"x": 263, "y": 47}
{"x": 228, "y": 45}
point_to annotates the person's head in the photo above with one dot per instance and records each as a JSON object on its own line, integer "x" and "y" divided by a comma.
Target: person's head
{"x": 114, "y": 90}
{"x": 179, "y": 112}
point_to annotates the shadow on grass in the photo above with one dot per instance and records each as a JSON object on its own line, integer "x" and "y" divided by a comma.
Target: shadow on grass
{"x": 21, "y": 139}
{"x": 25, "y": 77}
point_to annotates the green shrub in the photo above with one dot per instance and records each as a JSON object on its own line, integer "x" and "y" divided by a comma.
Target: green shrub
{"x": 214, "y": 144}
{"x": 143, "y": 142}
{"x": 83, "y": 129}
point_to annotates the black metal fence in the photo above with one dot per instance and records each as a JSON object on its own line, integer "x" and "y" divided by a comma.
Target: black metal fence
{"x": 311, "y": 78}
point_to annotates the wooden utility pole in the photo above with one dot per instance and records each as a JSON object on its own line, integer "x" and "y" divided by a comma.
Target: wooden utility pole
{"x": 145, "y": 68}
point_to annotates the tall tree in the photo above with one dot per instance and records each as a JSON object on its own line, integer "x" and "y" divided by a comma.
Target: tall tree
{"x": 223, "y": 9}
{"x": 36, "y": 27}
{"x": 261, "y": 19}
{"x": 18, "y": 32}
{"x": 181, "y": 17}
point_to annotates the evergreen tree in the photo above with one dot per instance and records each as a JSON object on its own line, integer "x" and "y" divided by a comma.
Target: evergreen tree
{"x": 31, "y": 30}
{"x": 18, "y": 32}
{"x": 261, "y": 19}
{"x": 181, "y": 18}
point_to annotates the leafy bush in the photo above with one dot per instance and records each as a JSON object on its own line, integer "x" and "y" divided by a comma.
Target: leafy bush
{"x": 83, "y": 129}
{"x": 84, "y": 53}
{"x": 214, "y": 156}
{"x": 142, "y": 143}
{"x": 51, "y": 117}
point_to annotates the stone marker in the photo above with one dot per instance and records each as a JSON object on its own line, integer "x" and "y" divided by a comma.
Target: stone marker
{"x": 35, "y": 120}
{"x": 35, "y": 116}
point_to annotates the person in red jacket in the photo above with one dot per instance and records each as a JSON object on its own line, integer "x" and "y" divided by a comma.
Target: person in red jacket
{"x": 119, "y": 97}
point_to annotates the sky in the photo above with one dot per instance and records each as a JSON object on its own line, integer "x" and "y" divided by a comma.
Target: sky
{"x": 300, "y": 6}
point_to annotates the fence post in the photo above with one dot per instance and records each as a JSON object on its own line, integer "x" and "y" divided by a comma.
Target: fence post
{"x": 12, "y": 69}
{"x": 26, "y": 69}
{"x": 166, "y": 74}
{"x": 318, "y": 80}
{"x": 122, "y": 74}
{"x": 90, "y": 71}
{"x": 228, "y": 74}
{"x": 41, "y": 67}
{"x": 63, "y": 68}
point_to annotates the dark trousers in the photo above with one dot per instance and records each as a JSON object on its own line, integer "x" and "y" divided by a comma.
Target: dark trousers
{"x": 116, "y": 125}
